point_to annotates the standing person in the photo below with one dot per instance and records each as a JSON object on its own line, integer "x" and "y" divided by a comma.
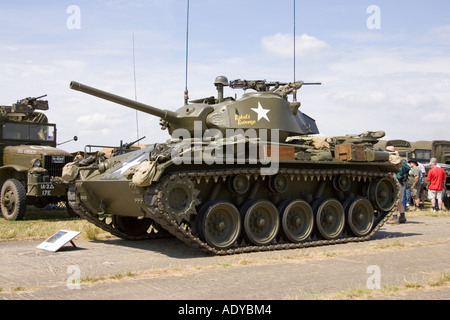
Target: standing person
{"x": 401, "y": 175}
{"x": 414, "y": 183}
{"x": 436, "y": 181}
{"x": 422, "y": 180}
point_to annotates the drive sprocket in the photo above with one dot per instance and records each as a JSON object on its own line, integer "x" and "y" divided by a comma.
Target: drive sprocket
{"x": 179, "y": 198}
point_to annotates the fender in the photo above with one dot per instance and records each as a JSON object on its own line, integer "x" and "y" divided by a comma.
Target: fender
{"x": 15, "y": 168}
{"x": 13, "y": 171}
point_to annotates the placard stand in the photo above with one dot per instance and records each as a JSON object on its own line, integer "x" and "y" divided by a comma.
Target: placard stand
{"x": 59, "y": 239}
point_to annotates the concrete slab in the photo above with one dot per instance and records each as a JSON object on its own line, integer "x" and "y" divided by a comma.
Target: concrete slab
{"x": 167, "y": 269}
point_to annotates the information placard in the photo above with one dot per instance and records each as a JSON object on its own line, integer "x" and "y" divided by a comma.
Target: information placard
{"x": 56, "y": 241}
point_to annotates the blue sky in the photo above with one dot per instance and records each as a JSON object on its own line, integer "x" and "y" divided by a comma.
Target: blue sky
{"x": 396, "y": 78}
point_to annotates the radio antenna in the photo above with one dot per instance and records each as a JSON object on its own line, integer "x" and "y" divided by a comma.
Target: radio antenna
{"x": 186, "y": 91}
{"x": 295, "y": 90}
{"x": 135, "y": 90}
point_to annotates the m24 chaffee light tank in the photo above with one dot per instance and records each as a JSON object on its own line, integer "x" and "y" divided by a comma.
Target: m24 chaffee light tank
{"x": 238, "y": 175}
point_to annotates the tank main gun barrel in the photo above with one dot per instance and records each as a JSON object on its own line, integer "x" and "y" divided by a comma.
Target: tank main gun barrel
{"x": 163, "y": 114}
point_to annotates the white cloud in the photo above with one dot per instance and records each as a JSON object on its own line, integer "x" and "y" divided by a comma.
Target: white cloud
{"x": 283, "y": 44}
{"x": 440, "y": 34}
{"x": 97, "y": 119}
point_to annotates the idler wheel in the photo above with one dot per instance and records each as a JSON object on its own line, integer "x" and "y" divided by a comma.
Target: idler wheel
{"x": 297, "y": 220}
{"x": 360, "y": 216}
{"x": 219, "y": 224}
{"x": 132, "y": 226}
{"x": 383, "y": 194}
{"x": 260, "y": 222}
{"x": 330, "y": 218}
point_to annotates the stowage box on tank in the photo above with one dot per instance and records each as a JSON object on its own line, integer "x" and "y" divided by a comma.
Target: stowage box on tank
{"x": 238, "y": 175}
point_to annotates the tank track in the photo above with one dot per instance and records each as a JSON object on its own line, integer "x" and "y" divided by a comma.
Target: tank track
{"x": 155, "y": 206}
{"x": 164, "y": 225}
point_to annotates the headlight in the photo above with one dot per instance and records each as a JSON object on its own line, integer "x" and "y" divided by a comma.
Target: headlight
{"x": 103, "y": 166}
{"x": 36, "y": 163}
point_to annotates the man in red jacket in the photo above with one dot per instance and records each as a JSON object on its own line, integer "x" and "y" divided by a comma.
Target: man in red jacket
{"x": 436, "y": 181}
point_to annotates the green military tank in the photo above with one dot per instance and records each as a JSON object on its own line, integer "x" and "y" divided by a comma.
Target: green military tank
{"x": 238, "y": 175}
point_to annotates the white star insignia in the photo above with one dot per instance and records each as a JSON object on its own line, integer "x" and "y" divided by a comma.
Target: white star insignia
{"x": 128, "y": 165}
{"x": 262, "y": 113}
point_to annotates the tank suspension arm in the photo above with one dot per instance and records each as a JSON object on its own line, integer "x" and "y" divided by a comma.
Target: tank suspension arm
{"x": 163, "y": 114}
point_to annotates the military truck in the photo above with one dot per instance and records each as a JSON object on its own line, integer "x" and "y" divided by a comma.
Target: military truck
{"x": 30, "y": 163}
{"x": 421, "y": 151}
{"x": 440, "y": 149}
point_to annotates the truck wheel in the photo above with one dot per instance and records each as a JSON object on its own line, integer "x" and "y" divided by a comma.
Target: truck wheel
{"x": 13, "y": 200}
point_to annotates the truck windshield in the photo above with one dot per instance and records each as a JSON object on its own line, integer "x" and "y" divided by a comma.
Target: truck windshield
{"x": 29, "y": 131}
{"x": 423, "y": 156}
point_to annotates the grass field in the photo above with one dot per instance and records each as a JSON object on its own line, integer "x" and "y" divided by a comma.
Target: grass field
{"x": 39, "y": 224}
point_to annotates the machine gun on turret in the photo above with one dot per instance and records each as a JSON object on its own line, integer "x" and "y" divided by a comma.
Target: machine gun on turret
{"x": 126, "y": 147}
{"x": 265, "y": 86}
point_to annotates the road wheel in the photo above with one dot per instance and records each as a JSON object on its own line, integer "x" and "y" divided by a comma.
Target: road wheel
{"x": 260, "y": 222}
{"x": 220, "y": 224}
{"x": 360, "y": 216}
{"x": 330, "y": 218}
{"x": 13, "y": 200}
{"x": 297, "y": 220}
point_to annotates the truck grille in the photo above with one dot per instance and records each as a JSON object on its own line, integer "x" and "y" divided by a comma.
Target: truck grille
{"x": 55, "y": 164}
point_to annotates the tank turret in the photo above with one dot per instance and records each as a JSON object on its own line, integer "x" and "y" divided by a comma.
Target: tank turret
{"x": 265, "y": 109}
